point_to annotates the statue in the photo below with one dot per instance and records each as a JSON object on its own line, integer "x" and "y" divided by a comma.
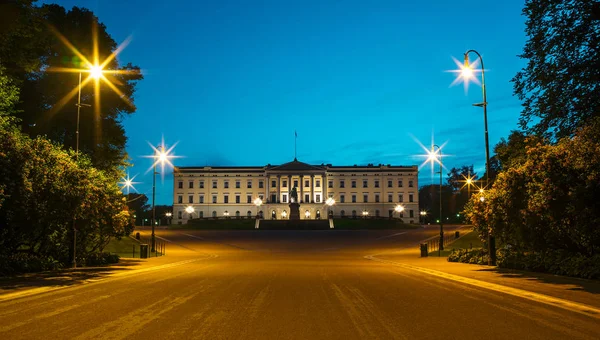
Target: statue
{"x": 294, "y": 195}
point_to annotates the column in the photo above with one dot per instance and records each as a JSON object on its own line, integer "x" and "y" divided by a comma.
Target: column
{"x": 301, "y": 188}
{"x": 278, "y": 188}
{"x": 324, "y": 189}
{"x": 268, "y": 194}
{"x": 312, "y": 188}
{"x": 289, "y": 188}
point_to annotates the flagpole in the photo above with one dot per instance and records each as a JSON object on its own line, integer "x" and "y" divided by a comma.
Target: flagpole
{"x": 295, "y": 139}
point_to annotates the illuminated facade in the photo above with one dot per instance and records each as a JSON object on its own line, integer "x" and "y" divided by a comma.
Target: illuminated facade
{"x": 372, "y": 190}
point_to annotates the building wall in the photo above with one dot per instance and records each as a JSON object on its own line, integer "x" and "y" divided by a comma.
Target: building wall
{"x": 222, "y": 191}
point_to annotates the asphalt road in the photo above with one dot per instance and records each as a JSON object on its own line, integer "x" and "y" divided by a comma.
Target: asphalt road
{"x": 284, "y": 285}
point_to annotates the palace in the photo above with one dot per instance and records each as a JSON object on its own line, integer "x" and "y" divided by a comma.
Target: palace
{"x": 248, "y": 191}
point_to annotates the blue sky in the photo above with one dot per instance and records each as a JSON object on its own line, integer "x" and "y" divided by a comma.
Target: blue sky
{"x": 230, "y": 81}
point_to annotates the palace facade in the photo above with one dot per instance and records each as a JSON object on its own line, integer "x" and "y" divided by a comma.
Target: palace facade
{"x": 369, "y": 191}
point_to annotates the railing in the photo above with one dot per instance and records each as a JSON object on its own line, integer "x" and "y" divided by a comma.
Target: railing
{"x": 433, "y": 243}
{"x": 160, "y": 247}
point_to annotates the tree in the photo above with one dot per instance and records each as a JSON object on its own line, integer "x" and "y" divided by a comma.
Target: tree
{"x": 559, "y": 86}
{"x": 549, "y": 201}
{"x": 43, "y": 109}
{"x": 138, "y": 206}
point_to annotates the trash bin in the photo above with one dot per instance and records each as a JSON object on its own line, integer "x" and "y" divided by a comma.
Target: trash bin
{"x": 456, "y": 234}
{"x": 143, "y": 251}
{"x": 137, "y": 236}
{"x": 424, "y": 251}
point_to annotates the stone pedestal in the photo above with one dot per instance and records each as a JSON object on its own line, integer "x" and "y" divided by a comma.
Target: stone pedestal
{"x": 294, "y": 211}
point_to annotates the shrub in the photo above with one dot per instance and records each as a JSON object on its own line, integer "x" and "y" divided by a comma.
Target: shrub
{"x": 98, "y": 259}
{"x": 26, "y": 263}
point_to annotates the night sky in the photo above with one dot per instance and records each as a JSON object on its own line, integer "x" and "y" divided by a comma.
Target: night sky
{"x": 230, "y": 81}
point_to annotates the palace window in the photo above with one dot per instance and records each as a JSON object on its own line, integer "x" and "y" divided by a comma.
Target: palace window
{"x": 179, "y": 214}
{"x": 249, "y": 199}
{"x": 390, "y": 198}
{"x": 201, "y": 199}
{"x": 330, "y": 184}
{"x": 225, "y": 199}
{"x": 376, "y": 184}
{"x": 191, "y": 184}
{"x": 365, "y": 198}
{"x": 214, "y": 184}
{"x": 307, "y": 183}
{"x": 180, "y": 199}
{"x": 318, "y": 198}
{"x": 284, "y": 184}
{"x": 342, "y": 198}
{"x": 191, "y": 199}
{"x": 237, "y": 184}
{"x": 376, "y": 198}
{"x": 307, "y": 198}
{"x": 400, "y": 198}
{"x": 295, "y": 183}
{"x": 273, "y": 184}
{"x": 201, "y": 184}
{"x": 318, "y": 183}
{"x": 260, "y": 184}
{"x": 249, "y": 184}
{"x": 180, "y": 185}
{"x": 284, "y": 198}
{"x": 354, "y": 184}
{"x": 399, "y": 183}
{"x": 365, "y": 183}
{"x": 410, "y": 184}
{"x": 411, "y": 213}
{"x": 353, "y": 198}
{"x": 214, "y": 199}
{"x": 226, "y": 184}
{"x": 342, "y": 184}
{"x": 389, "y": 184}
{"x": 237, "y": 198}
{"x": 411, "y": 197}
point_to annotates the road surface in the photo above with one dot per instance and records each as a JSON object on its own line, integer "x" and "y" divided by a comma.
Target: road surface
{"x": 285, "y": 285}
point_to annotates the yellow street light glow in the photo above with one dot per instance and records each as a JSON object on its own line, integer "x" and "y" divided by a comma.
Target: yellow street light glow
{"x": 189, "y": 209}
{"x": 399, "y": 208}
{"x": 330, "y": 201}
{"x": 465, "y": 73}
{"x": 258, "y": 202}
{"x": 162, "y": 156}
{"x": 95, "y": 70}
{"x": 127, "y": 183}
{"x": 481, "y": 191}
{"x": 482, "y": 198}
{"x": 284, "y": 214}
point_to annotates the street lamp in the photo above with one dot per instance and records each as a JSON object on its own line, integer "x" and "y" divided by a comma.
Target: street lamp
{"x": 399, "y": 209}
{"x": 433, "y": 156}
{"x": 330, "y": 202}
{"x": 226, "y": 214}
{"x": 161, "y": 156}
{"x": 307, "y": 214}
{"x": 365, "y": 214}
{"x": 423, "y": 213}
{"x": 189, "y": 209}
{"x": 168, "y": 214}
{"x": 284, "y": 214}
{"x": 258, "y": 202}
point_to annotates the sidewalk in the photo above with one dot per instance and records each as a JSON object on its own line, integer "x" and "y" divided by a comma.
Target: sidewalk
{"x": 572, "y": 289}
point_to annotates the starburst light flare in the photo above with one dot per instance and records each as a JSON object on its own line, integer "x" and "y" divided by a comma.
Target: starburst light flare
{"x": 466, "y": 73}
{"x": 127, "y": 183}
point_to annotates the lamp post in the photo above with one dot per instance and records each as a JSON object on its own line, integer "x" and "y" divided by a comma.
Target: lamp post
{"x": 96, "y": 73}
{"x": 258, "y": 202}
{"x": 467, "y": 72}
{"x": 433, "y": 156}
{"x": 307, "y": 214}
{"x": 423, "y": 213}
{"x": 330, "y": 202}
{"x": 160, "y": 156}
{"x": 190, "y": 210}
{"x": 399, "y": 209}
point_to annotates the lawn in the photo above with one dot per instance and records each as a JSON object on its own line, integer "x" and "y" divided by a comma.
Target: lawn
{"x": 468, "y": 241}
{"x": 125, "y": 247}
{"x": 340, "y": 223}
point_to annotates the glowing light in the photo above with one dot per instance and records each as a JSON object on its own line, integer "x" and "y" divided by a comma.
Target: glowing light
{"x": 127, "y": 183}
{"x": 482, "y": 198}
{"x": 96, "y": 71}
{"x": 189, "y": 209}
{"x": 258, "y": 202}
{"x": 284, "y": 214}
{"x": 330, "y": 201}
{"x": 468, "y": 181}
{"x": 430, "y": 156}
{"x": 423, "y": 213}
{"x": 168, "y": 214}
{"x": 162, "y": 157}
{"x": 399, "y": 208}
{"x": 307, "y": 214}
{"x": 465, "y": 73}
{"x": 481, "y": 191}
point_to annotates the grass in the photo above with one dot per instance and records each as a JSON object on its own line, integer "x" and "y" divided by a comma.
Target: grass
{"x": 340, "y": 223}
{"x": 470, "y": 240}
{"x": 124, "y": 247}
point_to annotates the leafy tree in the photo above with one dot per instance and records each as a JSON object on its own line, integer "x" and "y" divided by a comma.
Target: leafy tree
{"x": 549, "y": 201}
{"x": 559, "y": 86}
{"x": 138, "y": 206}
{"x": 42, "y": 108}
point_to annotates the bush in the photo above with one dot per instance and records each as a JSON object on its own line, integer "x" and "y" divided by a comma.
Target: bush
{"x": 98, "y": 259}
{"x": 26, "y": 263}
{"x": 473, "y": 256}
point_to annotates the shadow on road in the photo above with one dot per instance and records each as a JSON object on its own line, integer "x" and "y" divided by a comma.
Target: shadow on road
{"x": 570, "y": 283}
{"x": 66, "y": 277}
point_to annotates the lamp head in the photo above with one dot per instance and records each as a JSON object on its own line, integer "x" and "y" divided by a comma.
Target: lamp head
{"x": 96, "y": 71}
